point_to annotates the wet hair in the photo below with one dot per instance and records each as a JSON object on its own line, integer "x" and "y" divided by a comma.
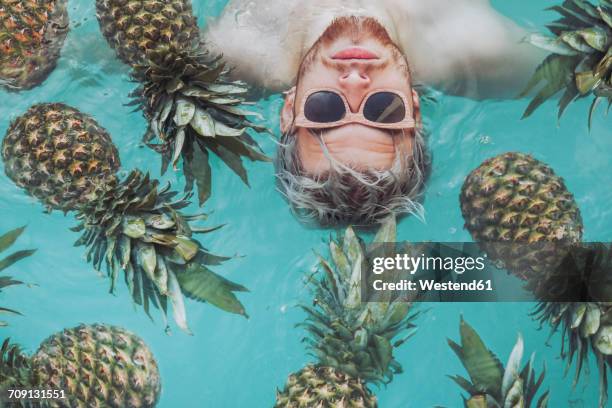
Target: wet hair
{"x": 344, "y": 195}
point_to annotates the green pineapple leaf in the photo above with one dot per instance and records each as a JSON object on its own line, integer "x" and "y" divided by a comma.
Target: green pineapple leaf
{"x": 6, "y": 241}
{"x": 479, "y": 401}
{"x": 491, "y": 384}
{"x": 231, "y": 160}
{"x": 199, "y": 167}
{"x": 556, "y": 73}
{"x": 6, "y": 281}
{"x": 199, "y": 283}
{"x": 465, "y": 384}
{"x": 513, "y": 365}
{"x": 14, "y": 367}
{"x": 178, "y": 305}
{"x": 9, "y": 238}
{"x": 484, "y": 368}
{"x": 15, "y": 257}
{"x": 580, "y": 59}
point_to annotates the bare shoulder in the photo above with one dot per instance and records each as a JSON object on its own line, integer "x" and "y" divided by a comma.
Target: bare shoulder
{"x": 251, "y": 34}
{"x": 465, "y": 47}
{"x": 442, "y": 8}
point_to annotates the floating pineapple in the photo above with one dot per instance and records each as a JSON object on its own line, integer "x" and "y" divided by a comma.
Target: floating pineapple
{"x": 193, "y": 109}
{"x": 353, "y": 341}
{"x": 94, "y": 365}
{"x": 66, "y": 160}
{"x": 580, "y": 62}
{"x": 6, "y": 241}
{"x": 31, "y": 36}
{"x": 490, "y": 384}
{"x": 513, "y": 198}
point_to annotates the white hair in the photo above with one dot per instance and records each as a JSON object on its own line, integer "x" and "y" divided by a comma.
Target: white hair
{"x": 344, "y": 195}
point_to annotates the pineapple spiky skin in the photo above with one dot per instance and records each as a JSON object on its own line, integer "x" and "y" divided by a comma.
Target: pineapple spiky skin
{"x": 324, "y": 387}
{"x": 134, "y": 27}
{"x": 98, "y": 366}
{"x": 491, "y": 384}
{"x": 95, "y": 365}
{"x": 193, "y": 109}
{"x": 59, "y": 155}
{"x": 514, "y": 198}
{"x": 31, "y": 36}
{"x": 580, "y": 63}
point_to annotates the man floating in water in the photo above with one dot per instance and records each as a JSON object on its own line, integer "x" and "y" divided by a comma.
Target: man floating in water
{"x": 353, "y": 145}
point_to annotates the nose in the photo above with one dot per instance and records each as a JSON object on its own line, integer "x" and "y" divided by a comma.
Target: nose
{"x": 354, "y": 82}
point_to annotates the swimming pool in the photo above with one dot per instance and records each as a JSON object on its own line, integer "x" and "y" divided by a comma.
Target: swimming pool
{"x": 234, "y": 362}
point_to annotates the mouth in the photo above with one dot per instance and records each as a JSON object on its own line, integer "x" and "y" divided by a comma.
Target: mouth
{"x": 355, "y": 53}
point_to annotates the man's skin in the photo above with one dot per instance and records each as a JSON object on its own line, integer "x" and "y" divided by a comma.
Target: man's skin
{"x": 459, "y": 46}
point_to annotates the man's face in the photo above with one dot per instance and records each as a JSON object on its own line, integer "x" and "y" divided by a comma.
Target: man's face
{"x": 354, "y": 56}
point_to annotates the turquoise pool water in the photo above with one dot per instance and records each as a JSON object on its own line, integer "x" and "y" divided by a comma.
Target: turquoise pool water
{"x": 233, "y": 362}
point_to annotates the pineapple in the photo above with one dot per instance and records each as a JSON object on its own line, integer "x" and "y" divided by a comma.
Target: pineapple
{"x": 193, "y": 109}
{"x": 59, "y": 155}
{"x": 31, "y": 36}
{"x": 513, "y": 198}
{"x": 353, "y": 341}
{"x": 6, "y": 241}
{"x": 580, "y": 63}
{"x": 66, "y": 160}
{"x": 95, "y": 365}
{"x": 491, "y": 384}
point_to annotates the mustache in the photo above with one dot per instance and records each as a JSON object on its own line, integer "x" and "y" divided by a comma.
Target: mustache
{"x": 356, "y": 28}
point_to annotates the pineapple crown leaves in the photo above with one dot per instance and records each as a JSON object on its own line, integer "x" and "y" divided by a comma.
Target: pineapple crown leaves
{"x": 491, "y": 384}
{"x": 354, "y": 337}
{"x": 586, "y": 327}
{"x": 14, "y": 367}
{"x": 580, "y": 62}
{"x": 194, "y": 110}
{"x": 139, "y": 228}
{"x": 6, "y": 241}
{"x": 582, "y": 324}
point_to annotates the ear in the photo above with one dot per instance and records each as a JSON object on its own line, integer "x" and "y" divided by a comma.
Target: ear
{"x": 286, "y": 116}
{"x": 416, "y": 103}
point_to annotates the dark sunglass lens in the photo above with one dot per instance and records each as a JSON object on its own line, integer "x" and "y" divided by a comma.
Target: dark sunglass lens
{"x": 384, "y": 107}
{"x": 324, "y": 107}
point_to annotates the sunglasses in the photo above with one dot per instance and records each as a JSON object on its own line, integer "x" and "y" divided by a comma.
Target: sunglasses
{"x": 385, "y": 109}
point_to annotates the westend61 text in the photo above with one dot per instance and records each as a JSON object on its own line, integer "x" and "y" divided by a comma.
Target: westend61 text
{"x": 432, "y": 285}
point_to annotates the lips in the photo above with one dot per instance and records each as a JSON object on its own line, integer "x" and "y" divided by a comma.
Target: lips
{"x": 354, "y": 53}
